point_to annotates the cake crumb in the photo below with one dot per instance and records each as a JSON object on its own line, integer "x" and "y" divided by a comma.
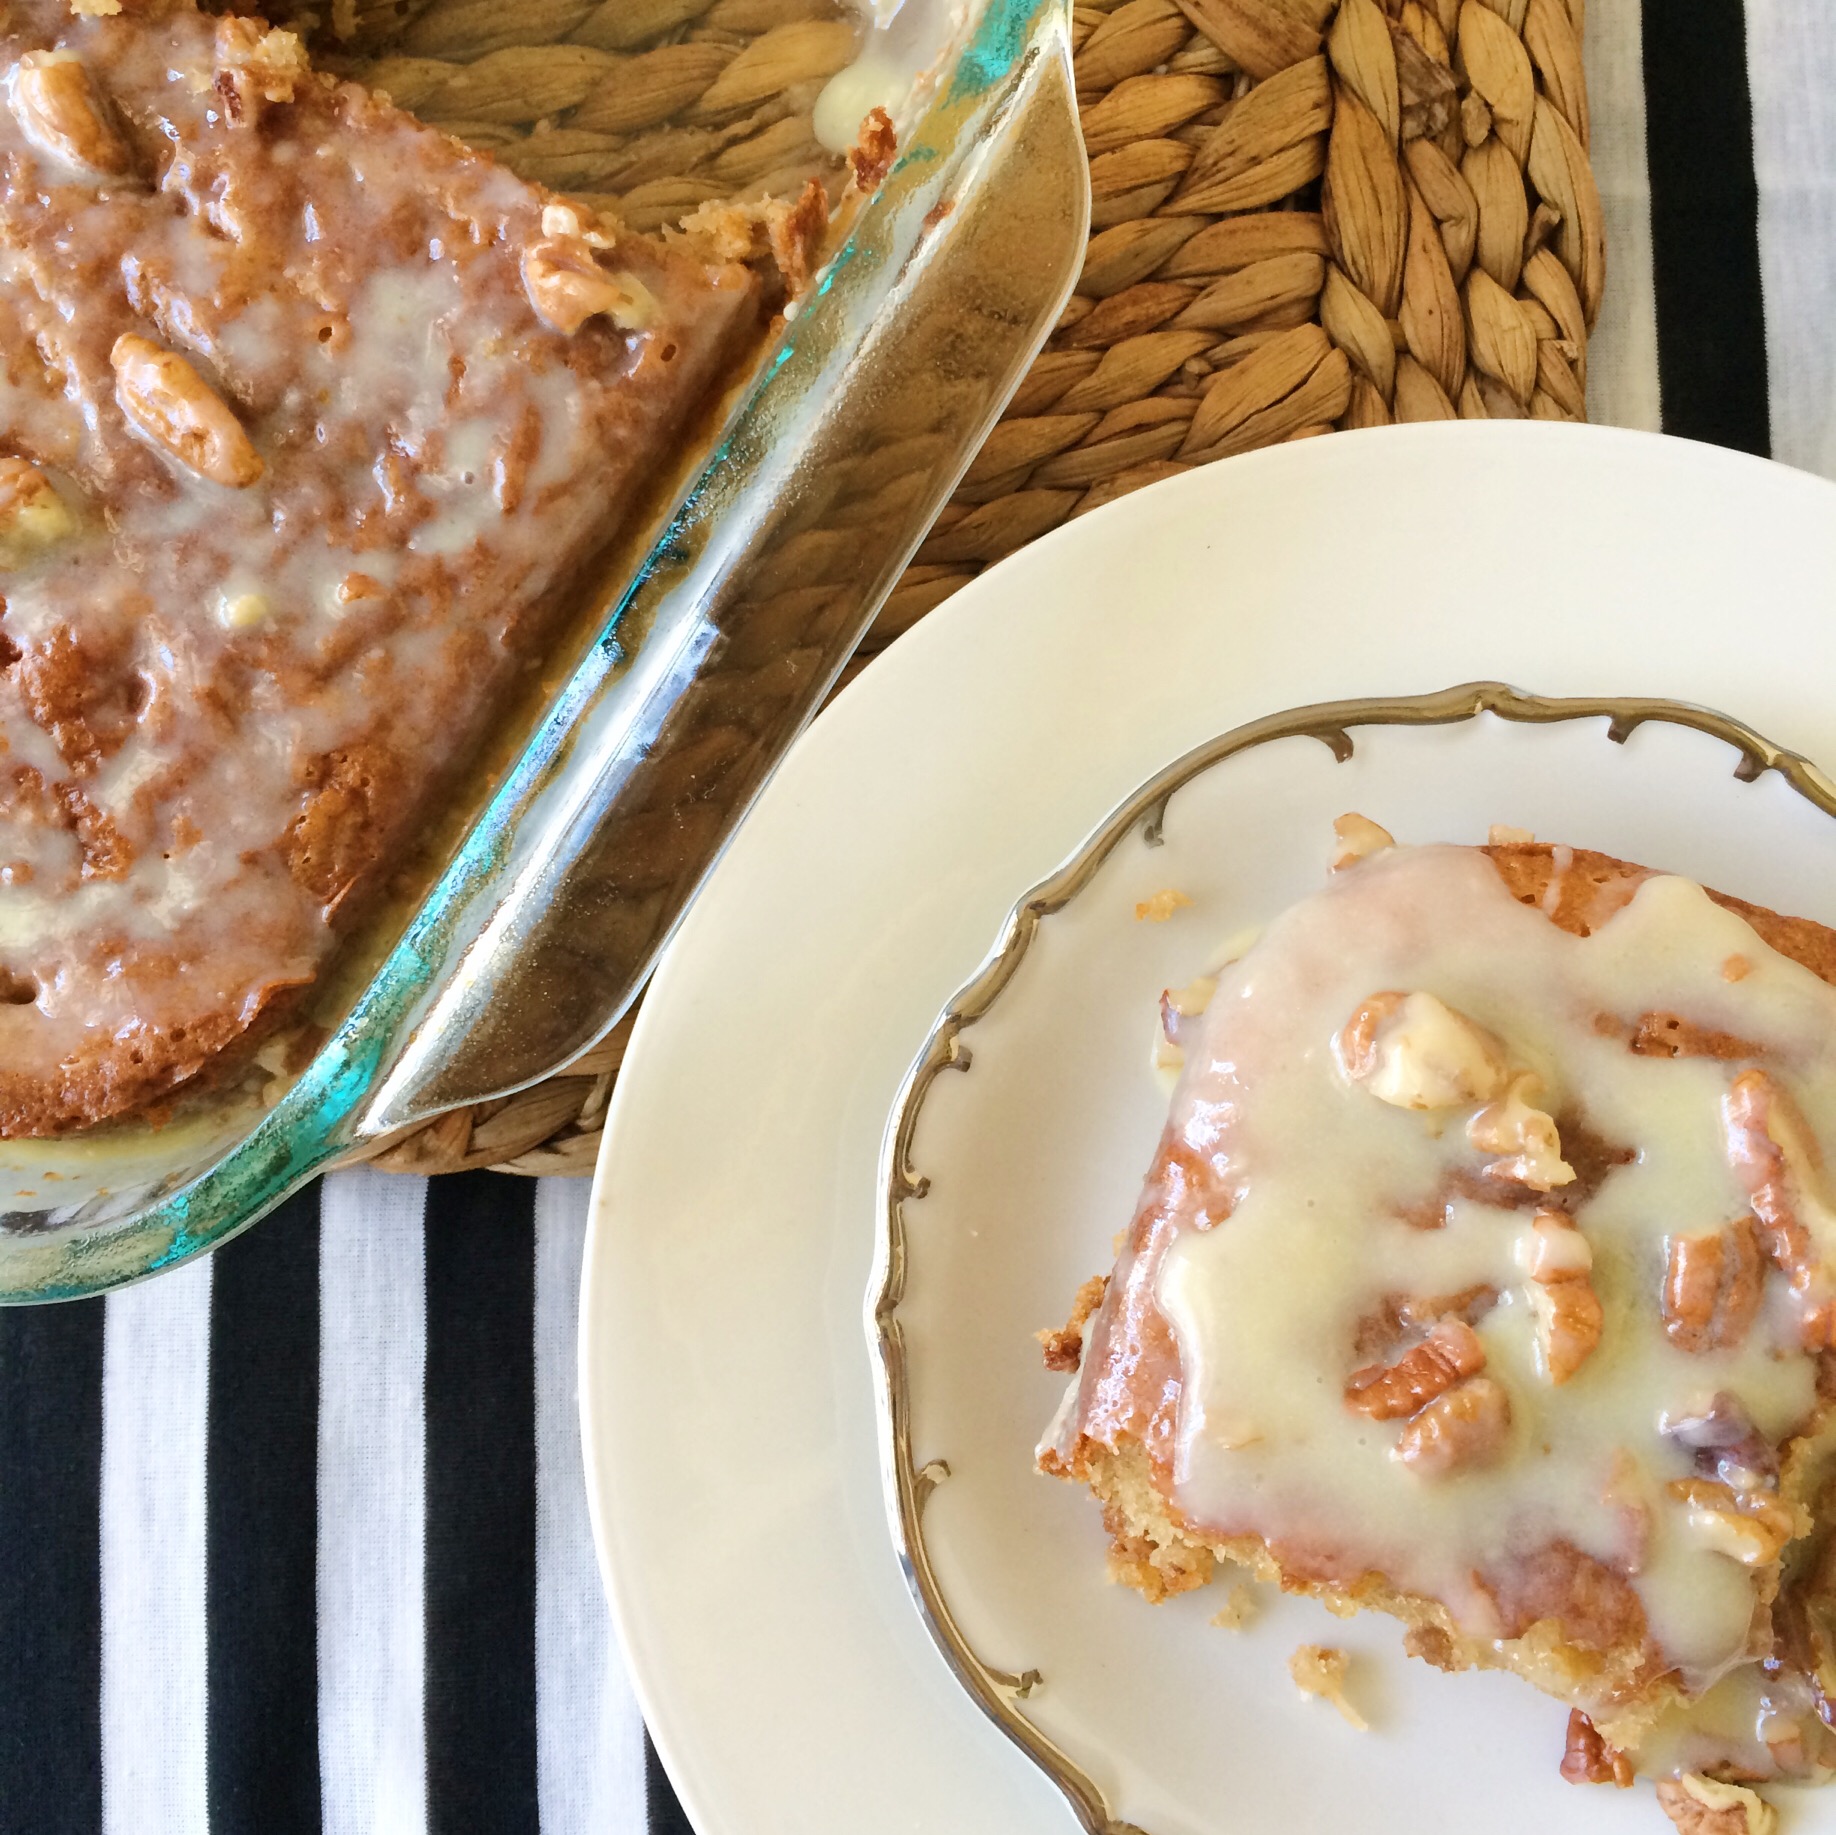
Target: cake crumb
{"x": 1502, "y": 834}
{"x": 1161, "y": 906}
{"x": 1700, "y": 1806}
{"x": 1064, "y": 1345}
{"x": 1319, "y": 1669}
{"x": 1238, "y": 1609}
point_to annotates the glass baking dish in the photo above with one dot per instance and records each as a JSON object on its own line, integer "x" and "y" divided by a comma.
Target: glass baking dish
{"x": 619, "y": 790}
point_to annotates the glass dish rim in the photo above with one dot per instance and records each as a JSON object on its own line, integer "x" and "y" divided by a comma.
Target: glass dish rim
{"x": 318, "y": 1117}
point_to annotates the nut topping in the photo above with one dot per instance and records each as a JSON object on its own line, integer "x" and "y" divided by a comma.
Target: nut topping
{"x": 1750, "y": 1527}
{"x": 1416, "y": 1052}
{"x": 32, "y": 515}
{"x": 1559, "y": 1263}
{"x": 567, "y": 287}
{"x": 1465, "y": 1427}
{"x": 1776, "y": 1160}
{"x": 169, "y": 403}
{"x": 1524, "y": 1135}
{"x": 1700, "y": 1806}
{"x": 62, "y": 112}
{"x": 1588, "y": 1759}
{"x": 1357, "y": 838}
{"x": 1448, "y": 1355}
{"x": 1712, "y": 1287}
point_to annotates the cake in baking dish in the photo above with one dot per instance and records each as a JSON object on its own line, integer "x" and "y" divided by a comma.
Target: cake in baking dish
{"x": 1486, "y": 1275}
{"x": 309, "y": 417}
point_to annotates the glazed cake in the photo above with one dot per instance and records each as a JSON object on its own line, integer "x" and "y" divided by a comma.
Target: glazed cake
{"x": 309, "y": 418}
{"x": 1484, "y": 1277}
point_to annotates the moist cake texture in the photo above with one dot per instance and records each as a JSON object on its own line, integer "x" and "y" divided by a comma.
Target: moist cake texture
{"x": 308, "y": 418}
{"x": 1484, "y": 1276}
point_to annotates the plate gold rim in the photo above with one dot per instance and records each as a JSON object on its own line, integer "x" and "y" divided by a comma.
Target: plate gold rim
{"x": 907, "y": 1483}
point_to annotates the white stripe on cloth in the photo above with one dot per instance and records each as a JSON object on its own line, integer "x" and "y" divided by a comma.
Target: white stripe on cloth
{"x": 155, "y": 1365}
{"x": 372, "y": 1518}
{"x": 1622, "y": 370}
{"x": 1791, "y": 71}
{"x": 589, "y": 1734}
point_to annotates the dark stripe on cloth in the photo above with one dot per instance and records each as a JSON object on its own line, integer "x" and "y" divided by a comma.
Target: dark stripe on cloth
{"x": 51, "y": 1568}
{"x": 663, "y": 1814}
{"x": 481, "y": 1505}
{"x": 261, "y": 1536}
{"x": 1711, "y": 318}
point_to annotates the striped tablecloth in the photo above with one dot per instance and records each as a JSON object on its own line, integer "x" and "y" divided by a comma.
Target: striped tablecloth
{"x": 296, "y": 1539}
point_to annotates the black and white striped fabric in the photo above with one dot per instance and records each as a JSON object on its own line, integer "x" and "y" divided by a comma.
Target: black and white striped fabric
{"x": 296, "y": 1539}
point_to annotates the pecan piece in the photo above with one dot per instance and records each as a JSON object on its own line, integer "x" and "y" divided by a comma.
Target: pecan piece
{"x": 1712, "y": 1287}
{"x": 1466, "y": 1426}
{"x": 1448, "y": 1355}
{"x": 1559, "y": 1263}
{"x": 1588, "y": 1759}
{"x": 1416, "y": 1052}
{"x": 1726, "y": 1443}
{"x": 61, "y": 112}
{"x": 567, "y": 286}
{"x": 1751, "y": 1527}
{"x": 1700, "y": 1806}
{"x": 1775, "y": 1158}
{"x": 1526, "y": 1138}
{"x": 168, "y": 402}
{"x": 32, "y": 515}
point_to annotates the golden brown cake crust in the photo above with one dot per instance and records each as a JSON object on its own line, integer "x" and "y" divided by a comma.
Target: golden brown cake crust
{"x": 309, "y": 416}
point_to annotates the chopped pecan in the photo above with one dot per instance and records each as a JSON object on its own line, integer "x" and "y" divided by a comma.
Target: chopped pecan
{"x": 1726, "y": 1443}
{"x": 1700, "y": 1806}
{"x": 1464, "y": 1427}
{"x": 1416, "y": 1052}
{"x": 1397, "y": 1314}
{"x": 1559, "y": 1263}
{"x": 32, "y": 515}
{"x": 1749, "y": 1526}
{"x": 1588, "y": 1759}
{"x": 1712, "y": 1287}
{"x": 1064, "y": 1348}
{"x": 1448, "y": 1355}
{"x": 1776, "y": 1160}
{"x": 173, "y": 406}
{"x": 567, "y": 286}
{"x": 61, "y": 111}
{"x": 1357, "y": 838}
{"x": 1526, "y": 1138}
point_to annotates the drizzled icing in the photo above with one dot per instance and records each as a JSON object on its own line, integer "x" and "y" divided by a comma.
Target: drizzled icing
{"x": 1314, "y": 1207}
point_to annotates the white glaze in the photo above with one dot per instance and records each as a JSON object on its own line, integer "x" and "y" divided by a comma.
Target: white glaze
{"x": 1265, "y": 1305}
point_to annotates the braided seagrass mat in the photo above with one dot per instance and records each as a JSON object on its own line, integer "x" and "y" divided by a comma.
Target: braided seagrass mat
{"x": 1308, "y": 214}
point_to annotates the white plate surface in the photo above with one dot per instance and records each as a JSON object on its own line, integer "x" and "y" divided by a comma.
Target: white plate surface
{"x": 725, "y": 1378}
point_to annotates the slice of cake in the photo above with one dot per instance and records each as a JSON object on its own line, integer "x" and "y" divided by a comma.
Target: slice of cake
{"x": 309, "y": 419}
{"x": 1484, "y": 1276}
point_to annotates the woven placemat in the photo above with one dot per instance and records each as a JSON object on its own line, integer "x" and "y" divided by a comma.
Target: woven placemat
{"x": 1308, "y": 214}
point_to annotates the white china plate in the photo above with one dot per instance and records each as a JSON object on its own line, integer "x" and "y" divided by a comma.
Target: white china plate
{"x": 726, "y": 1383}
